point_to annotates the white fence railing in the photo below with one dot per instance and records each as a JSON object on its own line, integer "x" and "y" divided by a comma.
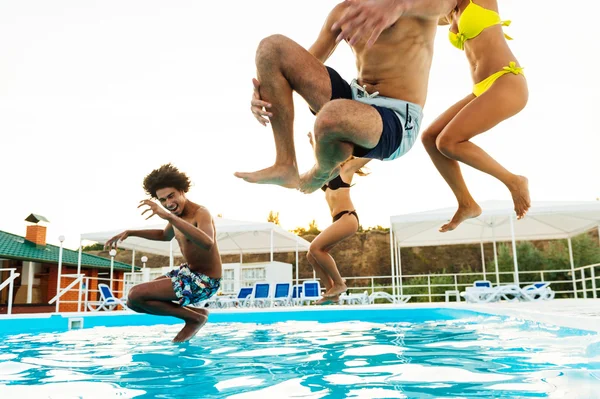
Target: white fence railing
{"x": 584, "y": 283}
{"x": 9, "y": 282}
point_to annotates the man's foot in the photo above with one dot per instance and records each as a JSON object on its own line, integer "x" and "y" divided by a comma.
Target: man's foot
{"x": 328, "y": 301}
{"x": 519, "y": 190}
{"x": 192, "y": 326}
{"x": 313, "y": 180}
{"x": 463, "y": 213}
{"x": 335, "y": 291}
{"x": 281, "y": 175}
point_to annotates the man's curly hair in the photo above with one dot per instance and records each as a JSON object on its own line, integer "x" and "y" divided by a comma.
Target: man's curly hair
{"x": 166, "y": 176}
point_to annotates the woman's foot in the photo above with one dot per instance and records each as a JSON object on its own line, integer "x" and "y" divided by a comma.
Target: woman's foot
{"x": 519, "y": 189}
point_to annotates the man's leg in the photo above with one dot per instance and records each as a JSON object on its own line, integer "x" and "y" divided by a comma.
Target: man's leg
{"x": 283, "y": 67}
{"x": 156, "y": 298}
{"x": 340, "y": 125}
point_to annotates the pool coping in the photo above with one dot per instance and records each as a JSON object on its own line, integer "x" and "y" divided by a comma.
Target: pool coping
{"x": 567, "y": 313}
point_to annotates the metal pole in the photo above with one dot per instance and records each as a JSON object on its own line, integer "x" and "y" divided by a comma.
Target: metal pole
{"x": 60, "y": 256}
{"x": 483, "y": 260}
{"x": 10, "y": 291}
{"x": 429, "y": 286}
{"x": 79, "y": 258}
{"x": 495, "y": 257}
{"x": 572, "y": 267}
{"x": 583, "y": 284}
{"x": 297, "y": 260}
{"x": 112, "y": 265}
{"x": 133, "y": 261}
{"x": 392, "y": 262}
{"x": 594, "y": 281}
{"x": 399, "y": 271}
{"x": 514, "y": 248}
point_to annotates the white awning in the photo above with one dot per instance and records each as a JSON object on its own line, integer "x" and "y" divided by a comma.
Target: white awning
{"x": 544, "y": 221}
{"x": 233, "y": 237}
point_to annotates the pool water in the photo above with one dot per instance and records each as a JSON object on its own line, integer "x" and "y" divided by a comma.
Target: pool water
{"x": 476, "y": 357}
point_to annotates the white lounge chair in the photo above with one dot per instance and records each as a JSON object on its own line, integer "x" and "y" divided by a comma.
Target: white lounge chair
{"x": 311, "y": 291}
{"x": 261, "y": 295}
{"x": 487, "y": 294}
{"x": 537, "y": 292}
{"x": 283, "y": 294}
{"x": 107, "y": 300}
{"x": 389, "y": 297}
{"x": 355, "y": 299}
{"x": 241, "y": 300}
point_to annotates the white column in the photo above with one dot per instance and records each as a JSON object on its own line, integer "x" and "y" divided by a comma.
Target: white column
{"x": 483, "y": 260}
{"x": 514, "y": 248}
{"x": 572, "y": 267}
{"x": 30, "y": 282}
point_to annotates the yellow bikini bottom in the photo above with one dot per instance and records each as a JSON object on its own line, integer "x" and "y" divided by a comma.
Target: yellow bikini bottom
{"x": 485, "y": 84}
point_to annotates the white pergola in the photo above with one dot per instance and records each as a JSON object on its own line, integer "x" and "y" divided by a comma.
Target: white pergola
{"x": 544, "y": 221}
{"x": 233, "y": 237}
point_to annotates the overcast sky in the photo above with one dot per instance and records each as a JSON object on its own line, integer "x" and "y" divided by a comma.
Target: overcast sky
{"x": 96, "y": 94}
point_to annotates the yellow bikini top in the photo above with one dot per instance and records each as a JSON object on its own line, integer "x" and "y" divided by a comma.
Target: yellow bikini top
{"x": 472, "y": 22}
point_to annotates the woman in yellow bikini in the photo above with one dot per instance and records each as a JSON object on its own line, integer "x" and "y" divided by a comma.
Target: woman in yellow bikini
{"x": 345, "y": 224}
{"x": 500, "y": 91}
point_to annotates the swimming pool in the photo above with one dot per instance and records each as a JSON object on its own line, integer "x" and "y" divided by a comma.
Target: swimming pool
{"x": 379, "y": 353}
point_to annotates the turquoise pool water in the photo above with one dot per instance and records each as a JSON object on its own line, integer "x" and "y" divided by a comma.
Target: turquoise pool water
{"x": 430, "y": 356}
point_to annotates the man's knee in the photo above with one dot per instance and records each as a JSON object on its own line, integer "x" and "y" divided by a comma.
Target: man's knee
{"x": 328, "y": 121}
{"x": 270, "y": 47}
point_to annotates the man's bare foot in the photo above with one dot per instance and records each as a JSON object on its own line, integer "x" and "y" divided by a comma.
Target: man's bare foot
{"x": 519, "y": 190}
{"x": 335, "y": 291}
{"x": 281, "y": 175}
{"x": 463, "y": 213}
{"x": 192, "y": 327}
{"x": 313, "y": 180}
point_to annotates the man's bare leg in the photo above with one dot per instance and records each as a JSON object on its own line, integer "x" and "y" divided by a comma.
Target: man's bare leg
{"x": 339, "y": 126}
{"x": 156, "y": 298}
{"x": 283, "y": 67}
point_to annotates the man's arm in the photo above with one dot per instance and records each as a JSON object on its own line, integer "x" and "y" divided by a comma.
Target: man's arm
{"x": 369, "y": 18}
{"x": 202, "y": 235}
{"x": 325, "y": 44}
{"x": 155, "y": 235}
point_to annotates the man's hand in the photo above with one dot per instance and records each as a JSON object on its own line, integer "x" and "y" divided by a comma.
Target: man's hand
{"x": 367, "y": 18}
{"x": 155, "y": 208}
{"x": 113, "y": 242}
{"x": 258, "y": 106}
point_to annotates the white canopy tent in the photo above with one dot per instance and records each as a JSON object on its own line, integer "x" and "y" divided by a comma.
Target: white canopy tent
{"x": 544, "y": 221}
{"x": 233, "y": 237}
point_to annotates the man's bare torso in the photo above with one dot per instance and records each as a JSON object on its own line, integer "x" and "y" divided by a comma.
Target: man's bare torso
{"x": 199, "y": 260}
{"x": 398, "y": 64}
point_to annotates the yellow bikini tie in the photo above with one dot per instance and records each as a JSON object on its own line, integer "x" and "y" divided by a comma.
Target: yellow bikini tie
{"x": 513, "y": 68}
